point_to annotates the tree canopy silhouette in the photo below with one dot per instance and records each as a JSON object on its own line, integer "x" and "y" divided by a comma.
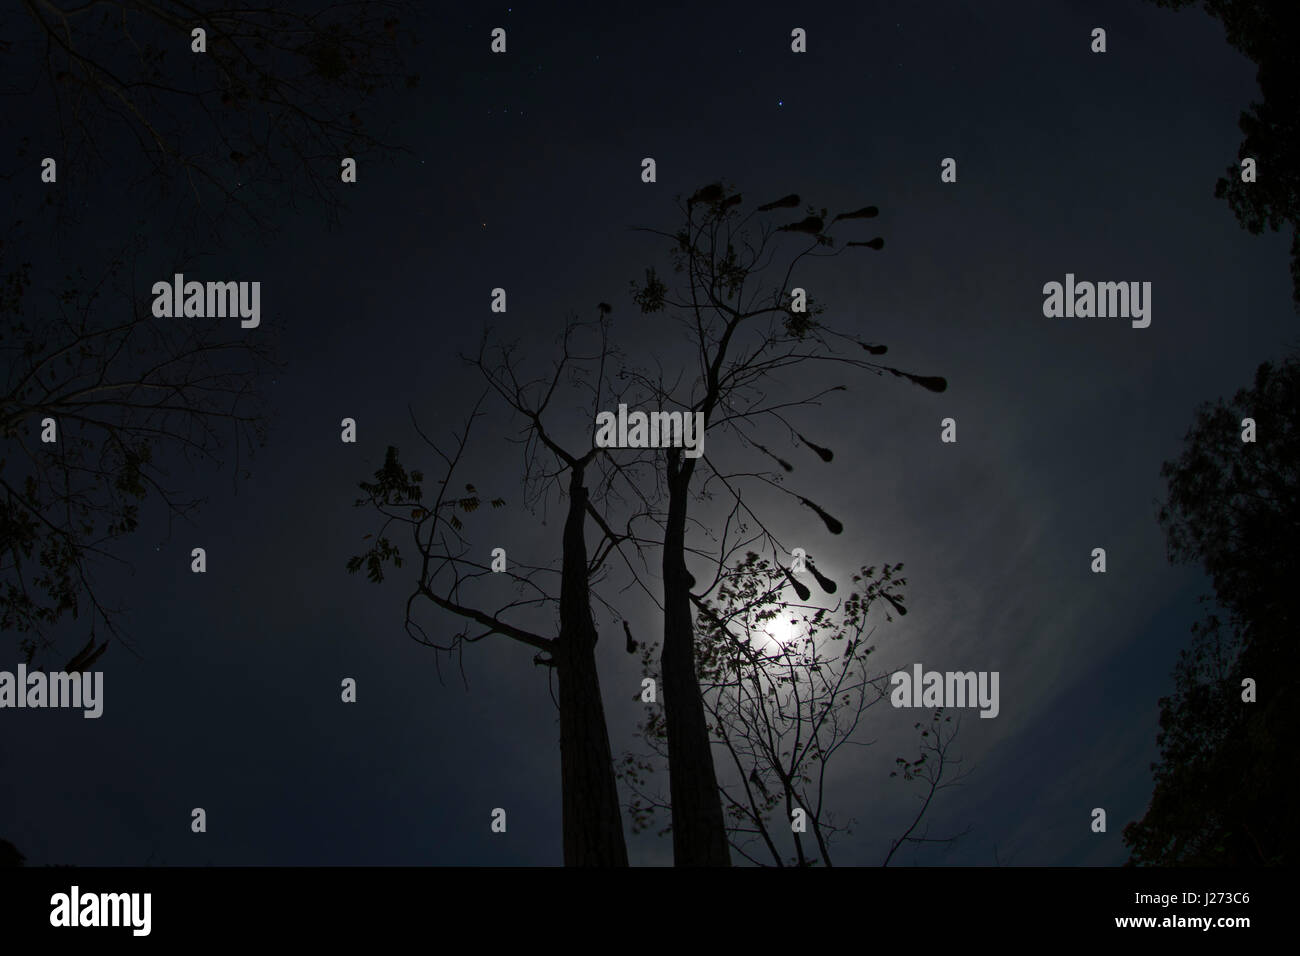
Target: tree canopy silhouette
{"x": 1226, "y": 776}
{"x": 259, "y": 118}
{"x": 1268, "y": 32}
{"x": 121, "y": 395}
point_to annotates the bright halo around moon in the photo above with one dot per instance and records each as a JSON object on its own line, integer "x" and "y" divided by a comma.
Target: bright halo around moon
{"x": 780, "y": 631}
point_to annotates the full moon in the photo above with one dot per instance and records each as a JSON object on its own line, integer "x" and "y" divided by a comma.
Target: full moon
{"x": 781, "y": 631}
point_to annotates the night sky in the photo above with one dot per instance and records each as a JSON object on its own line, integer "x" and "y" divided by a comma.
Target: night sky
{"x": 523, "y": 172}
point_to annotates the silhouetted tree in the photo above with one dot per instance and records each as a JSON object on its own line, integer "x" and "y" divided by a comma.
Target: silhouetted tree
{"x": 1268, "y": 32}
{"x": 744, "y": 335}
{"x": 260, "y": 118}
{"x": 1225, "y": 780}
{"x": 451, "y": 565}
{"x": 786, "y": 685}
{"x": 125, "y": 393}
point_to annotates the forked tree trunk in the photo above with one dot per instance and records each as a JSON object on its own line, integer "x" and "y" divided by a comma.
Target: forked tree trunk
{"x": 593, "y": 823}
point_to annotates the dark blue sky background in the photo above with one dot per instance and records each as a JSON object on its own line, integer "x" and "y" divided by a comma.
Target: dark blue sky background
{"x": 1100, "y": 165}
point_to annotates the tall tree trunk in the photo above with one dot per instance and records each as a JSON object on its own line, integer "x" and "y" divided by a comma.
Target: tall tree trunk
{"x": 699, "y": 830}
{"x": 593, "y": 823}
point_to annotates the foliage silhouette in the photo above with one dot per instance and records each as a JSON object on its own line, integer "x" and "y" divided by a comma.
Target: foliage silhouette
{"x": 786, "y": 685}
{"x": 1268, "y": 33}
{"x": 1226, "y": 775}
